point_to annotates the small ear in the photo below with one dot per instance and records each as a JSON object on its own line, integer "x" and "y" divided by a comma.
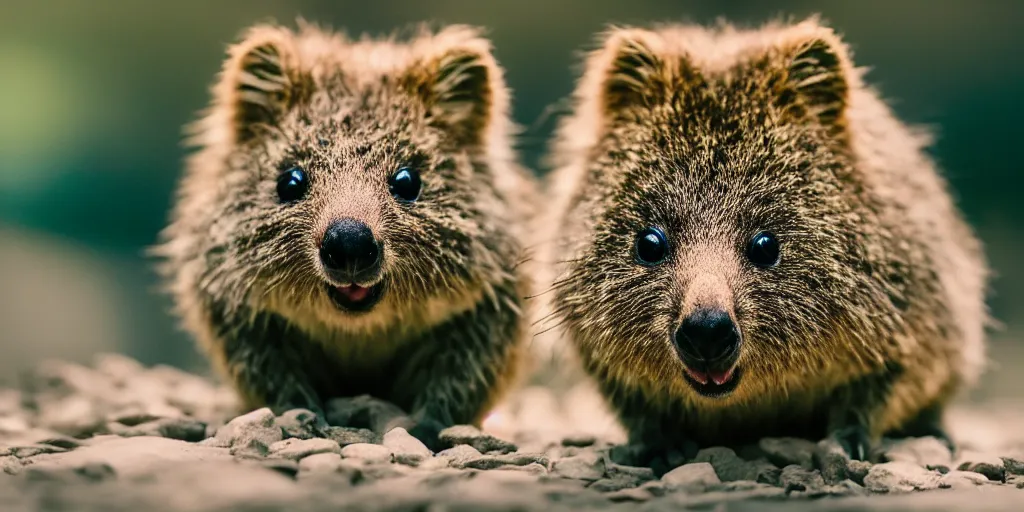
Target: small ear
{"x": 818, "y": 73}
{"x": 635, "y": 75}
{"x": 261, "y": 81}
{"x": 460, "y": 83}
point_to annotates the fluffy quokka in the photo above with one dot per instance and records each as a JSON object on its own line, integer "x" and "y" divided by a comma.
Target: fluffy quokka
{"x": 351, "y": 224}
{"x": 750, "y": 243}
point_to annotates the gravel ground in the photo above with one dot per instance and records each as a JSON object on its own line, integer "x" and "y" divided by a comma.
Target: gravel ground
{"x": 118, "y": 436}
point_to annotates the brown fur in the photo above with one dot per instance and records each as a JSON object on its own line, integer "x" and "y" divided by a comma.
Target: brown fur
{"x": 244, "y": 269}
{"x": 875, "y": 315}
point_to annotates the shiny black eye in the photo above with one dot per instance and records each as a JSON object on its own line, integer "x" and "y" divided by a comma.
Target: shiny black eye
{"x": 292, "y": 185}
{"x": 763, "y": 250}
{"x": 651, "y": 246}
{"x": 405, "y": 184}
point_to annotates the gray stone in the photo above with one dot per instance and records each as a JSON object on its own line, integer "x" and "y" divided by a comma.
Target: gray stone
{"x": 633, "y": 473}
{"x": 507, "y": 459}
{"x": 728, "y": 466}
{"x": 372, "y": 471}
{"x": 345, "y": 436}
{"x": 832, "y": 460}
{"x": 605, "y": 485}
{"x": 298, "y": 423}
{"x": 962, "y": 479}
{"x": 183, "y": 429}
{"x": 10, "y": 464}
{"x": 90, "y": 472}
{"x": 784, "y": 451}
{"x": 795, "y": 478}
{"x": 368, "y": 453}
{"x": 532, "y": 468}
{"x": 407, "y": 449}
{"x": 468, "y": 434}
{"x": 900, "y": 477}
{"x": 697, "y": 474}
{"x": 923, "y": 451}
{"x": 250, "y": 435}
{"x": 459, "y": 455}
{"x": 856, "y": 470}
{"x": 134, "y": 455}
{"x": 321, "y": 462}
{"x": 843, "y": 489}
{"x": 738, "y": 486}
{"x": 296, "y": 449}
{"x": 1013, "y": 466}
{"x": 585, "y": 466}
{"x": 257, "y": 424}
{"x": 74, "y": 415}
{"x": 630, "y": 495}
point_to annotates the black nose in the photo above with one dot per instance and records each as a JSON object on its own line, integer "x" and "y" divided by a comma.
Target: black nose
{"x": 349, "y": 250}
{"x": 707, "y": 335}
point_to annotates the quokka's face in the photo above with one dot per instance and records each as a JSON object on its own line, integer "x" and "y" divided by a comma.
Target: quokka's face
{"x": 356, "y": 181}
{"x": 723, "y": 252}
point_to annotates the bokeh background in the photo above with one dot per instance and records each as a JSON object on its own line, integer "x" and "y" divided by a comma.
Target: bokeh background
{"x": 93, "y": 96}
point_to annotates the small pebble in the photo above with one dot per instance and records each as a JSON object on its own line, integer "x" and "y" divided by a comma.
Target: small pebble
{"x": 298, "y": 423}
{"x": 962, "y": 479}
{"x": 406, "y": 448}
{"x": 321, "y": 462}
{"x": 691, "y": 475}
{"x": 296, "y": 449}
{"x": 345, "y": 436}
{"x": 900, "y": 477}
{"x": 368, "y": 453}
{"x": 467, "y": 434}
{"x": 585, "y": 466}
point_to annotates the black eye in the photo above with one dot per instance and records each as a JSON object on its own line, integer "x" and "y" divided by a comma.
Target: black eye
{"x": 405, "y": 184}
{"x": 292, "y": 185}
{"x": 763, "y": 250}
{"x": 651, "y": 246}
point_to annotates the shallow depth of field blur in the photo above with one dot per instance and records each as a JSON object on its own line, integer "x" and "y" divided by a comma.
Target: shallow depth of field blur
{"x": 93, "y": 96}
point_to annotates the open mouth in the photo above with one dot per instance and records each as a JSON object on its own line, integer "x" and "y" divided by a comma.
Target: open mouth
{"x": 714, "y": 384}
{"x": 355, "y": 298}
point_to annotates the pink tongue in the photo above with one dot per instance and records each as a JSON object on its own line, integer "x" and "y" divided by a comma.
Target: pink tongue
{"x": 718, "y": 378}
{"x": 721, "y": 378}
{"x": 698, "y": 376}
{"x": 354, "y": 292}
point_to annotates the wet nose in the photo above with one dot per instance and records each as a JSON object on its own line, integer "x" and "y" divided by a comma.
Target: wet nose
{"x": 707, "y": 335}
{"x": 350, "y": 249}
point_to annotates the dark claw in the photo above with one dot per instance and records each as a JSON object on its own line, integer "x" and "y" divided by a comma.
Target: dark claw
{"x": 854, "y": 440}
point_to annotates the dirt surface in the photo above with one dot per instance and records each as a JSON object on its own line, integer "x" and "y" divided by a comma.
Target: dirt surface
{"x": 118, "y": 436}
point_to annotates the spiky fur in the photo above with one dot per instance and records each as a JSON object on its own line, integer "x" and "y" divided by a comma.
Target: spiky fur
{"x": 244, "y": 271}
{"x": 875, "y": 315}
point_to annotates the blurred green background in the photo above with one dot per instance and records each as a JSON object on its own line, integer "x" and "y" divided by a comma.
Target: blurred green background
{"x": 93, "y": 95}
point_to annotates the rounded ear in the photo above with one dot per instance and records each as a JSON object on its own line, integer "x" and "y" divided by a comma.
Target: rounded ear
{"x": 460, "y": 82}
{"x": 817, "y": 73}
{"x": 634, "y": 69}
{"x": 261, "y": 80}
